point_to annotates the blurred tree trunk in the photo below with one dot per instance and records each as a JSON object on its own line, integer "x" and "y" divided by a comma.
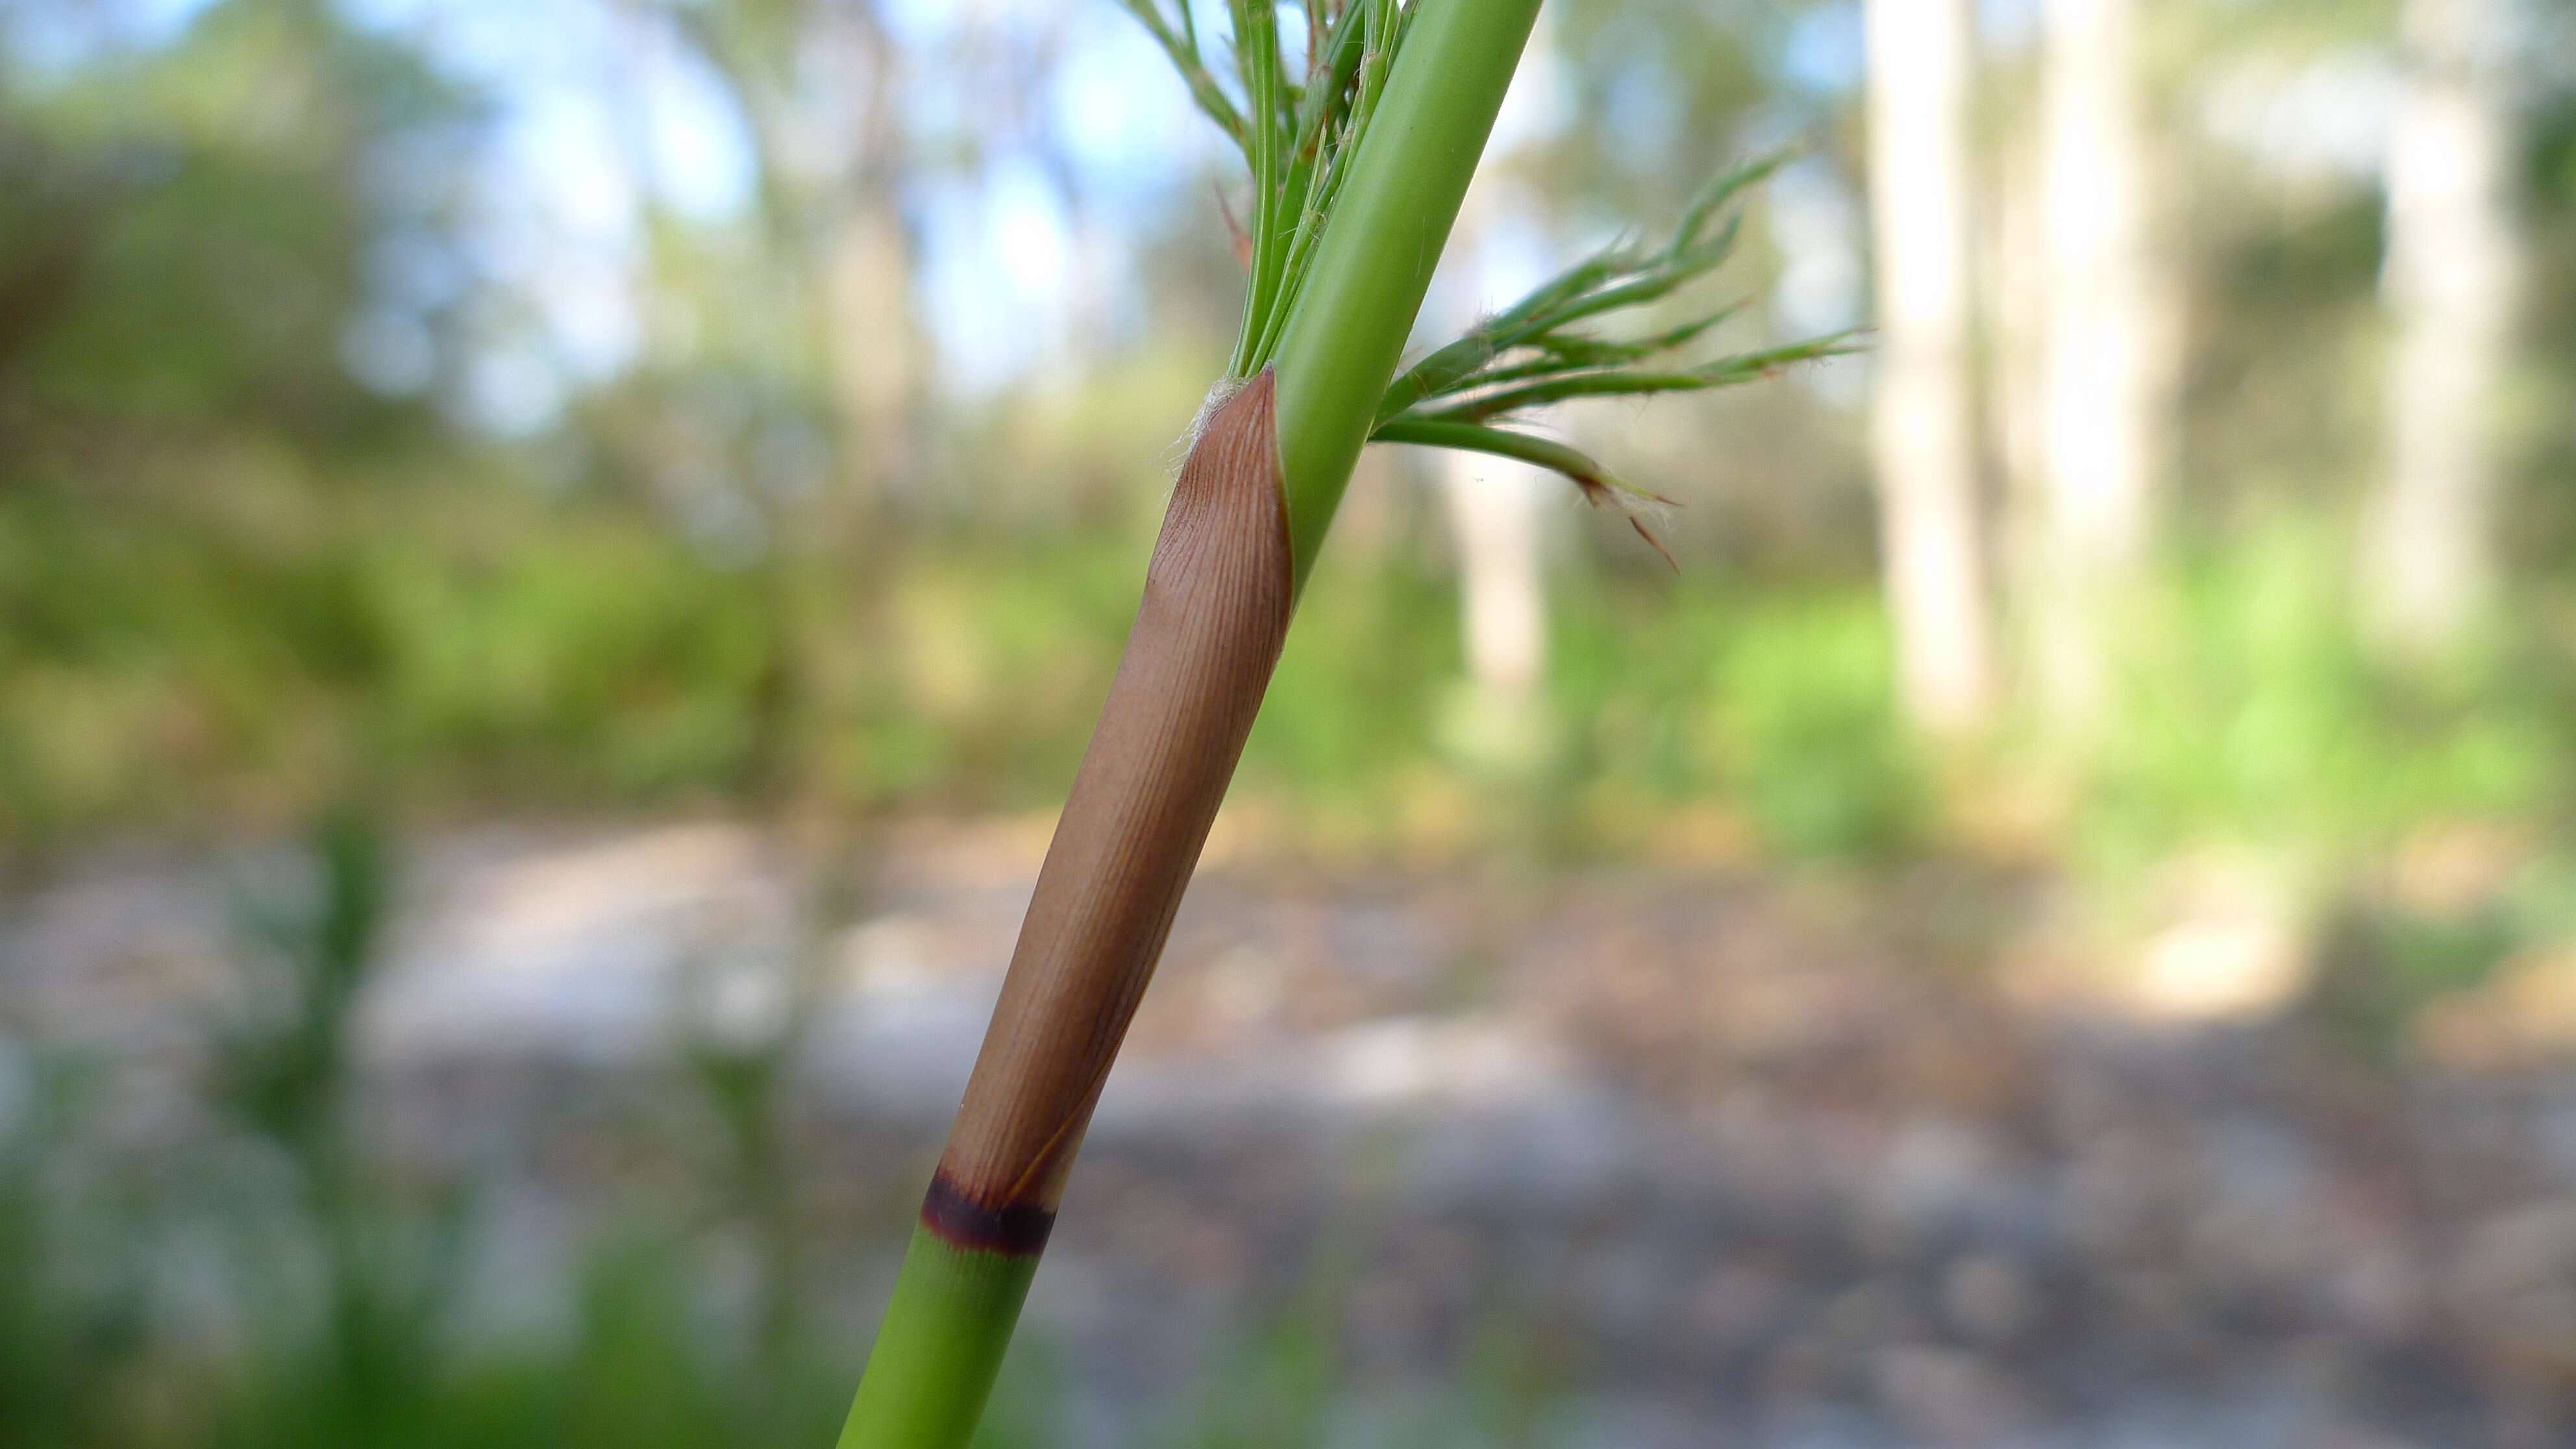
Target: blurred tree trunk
{"x": 1493, "y": 506}
{"x": 831, "y": 190}
{"x": 2101, "y": 399}
{"x": 1494, "y": 511}
{"x": 2015, "y": 262}
{"x": 2448, "y": 284}
{"x": 876, "y": 344}
{"x": 831, "y": 187}
{"x": 1931, "y": 534}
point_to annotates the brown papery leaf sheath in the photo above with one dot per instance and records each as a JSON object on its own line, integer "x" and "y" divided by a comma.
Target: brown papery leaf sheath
{"x": 1207, "y": 635}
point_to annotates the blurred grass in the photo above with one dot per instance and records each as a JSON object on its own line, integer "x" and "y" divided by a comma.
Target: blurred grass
{"x": 461, "y": 651}
{"x": 2250, "y": 710}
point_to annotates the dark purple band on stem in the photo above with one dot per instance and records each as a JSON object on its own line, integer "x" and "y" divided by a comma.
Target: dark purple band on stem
{"x": 963, "y": 1222}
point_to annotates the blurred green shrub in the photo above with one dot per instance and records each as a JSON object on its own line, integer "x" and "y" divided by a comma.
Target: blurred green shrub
{"x": 2249, "y": 710}
{"x": 481, "y": 648}
{"x": 1811, "y": 730}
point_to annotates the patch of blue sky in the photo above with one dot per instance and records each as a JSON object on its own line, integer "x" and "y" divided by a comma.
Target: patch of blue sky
{"x": 1539, "y": 104}
{"x": 702, "y": 154}
{"x": 1120, "y": 115}
{"x": 1822, "y": 50}
{"x": 1643, "y": 105}
{"x": 596, "y": 116}
{"x": 55, "y": 36}
{"x": 1816, "y": 221}
{"x": 696, "y": 150}
{"x": 2009, "y": 25}
{"x": 996, "y": 273}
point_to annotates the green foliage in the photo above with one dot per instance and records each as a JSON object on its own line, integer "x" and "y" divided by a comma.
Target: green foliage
{"x": 2250, "y": 711}
{"x": 282, "y": 1069}
{"x": 1276, "y": 1390}
{"x": 1811, "y": 734}
{"x": 237, "y": 586}
{"x": 1354, "y": 706}
{"x": 71, "y": 1305}
{"x": 157, "y": 658}
{"x": 159, "y": 669}
{"x": 1777, "y": 706}
{"x": 182, "y": 239}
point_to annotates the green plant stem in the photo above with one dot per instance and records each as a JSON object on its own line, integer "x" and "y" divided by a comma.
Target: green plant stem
{"x": 941, "y": 1343}
{"x": 956, "y": 1301}
{"x": 1390, "y": 220}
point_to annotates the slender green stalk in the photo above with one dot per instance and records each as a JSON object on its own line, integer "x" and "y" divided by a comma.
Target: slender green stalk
{"x": 1358, "y": 168}
{"x": 1599, "y": 484}
{"x": 1359, "y": 173}
{"x": 1373, "y": 264}
{"x": 934, "y": 1360}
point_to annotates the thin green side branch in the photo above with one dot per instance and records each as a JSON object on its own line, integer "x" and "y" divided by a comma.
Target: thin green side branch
{"x": 1601, "y": 487}
{"x": 1399, "y": 177}
{"x": 1527, "y": 356}
{"x": 1550, "y": 384}
{"x": 1300, "y": 159}
{"x": 1181, "y": 46}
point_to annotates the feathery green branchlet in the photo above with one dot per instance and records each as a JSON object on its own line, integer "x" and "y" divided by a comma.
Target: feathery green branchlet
{"x": 1528, "y": 355}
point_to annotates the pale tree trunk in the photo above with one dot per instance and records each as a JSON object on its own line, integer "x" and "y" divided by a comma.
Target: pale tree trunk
{"x": 875, "y": 347}
{"x": 1494, "y": 509}
{"x": 876, "y": 343}
{"x": 2015, "y": 263}
{"x": 2448, "y": 284}
{"x": 831, "y": 198}
{"x": 2100, "y": 394}
{"x": 1931, "y": 534}
{"x": 1493, "y": 505}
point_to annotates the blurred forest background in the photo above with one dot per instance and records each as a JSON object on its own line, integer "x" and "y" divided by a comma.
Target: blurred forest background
{"x": 626, "y": 465}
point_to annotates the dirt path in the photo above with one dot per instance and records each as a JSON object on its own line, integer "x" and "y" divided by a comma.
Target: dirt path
{"x": 1694, "y": 1151}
